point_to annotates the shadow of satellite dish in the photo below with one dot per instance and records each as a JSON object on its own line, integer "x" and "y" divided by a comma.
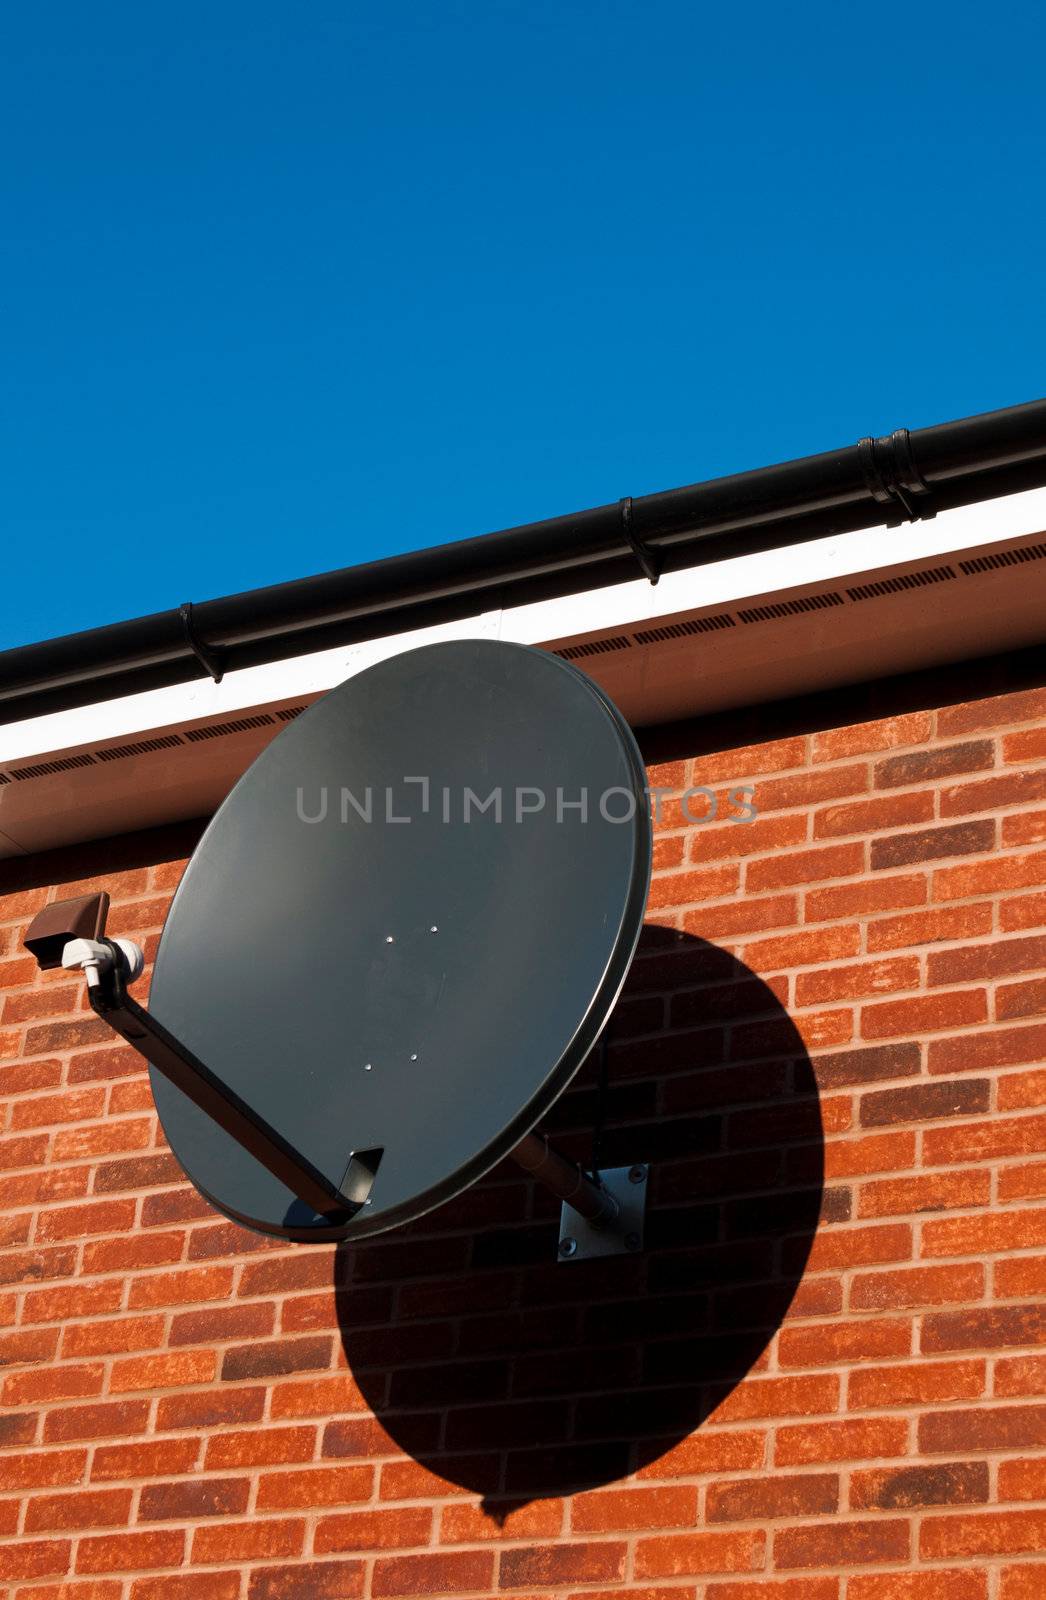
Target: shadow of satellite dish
{"x": 516, "y": 1376}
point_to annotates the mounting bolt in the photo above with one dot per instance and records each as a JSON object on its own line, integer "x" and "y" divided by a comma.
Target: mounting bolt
{"x": 568, "y": 1247}
{"x": 633, "y": 1241}
{"x": 636, "y": 1174}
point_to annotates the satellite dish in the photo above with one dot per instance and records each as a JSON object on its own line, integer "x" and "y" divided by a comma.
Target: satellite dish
{"x": 395, "y": 944}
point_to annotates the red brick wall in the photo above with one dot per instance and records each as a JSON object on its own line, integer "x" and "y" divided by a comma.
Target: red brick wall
{"x": 819, "y": 1381}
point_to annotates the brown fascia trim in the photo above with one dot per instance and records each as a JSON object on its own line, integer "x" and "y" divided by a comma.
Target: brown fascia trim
{"x": 889, "y": 480}
{"x": 977, "y": 679}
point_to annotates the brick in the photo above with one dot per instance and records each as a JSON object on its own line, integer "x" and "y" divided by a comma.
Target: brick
{"x": 933, "y": 844}
{"x": 51, "y": 1383}
{"x": 108, "y": 1419}
{"x": 130, "y": 1552}
{"x": 225, "y": 1322}
{"x": 104, "y": 1139}
{"x": 857, "y": 981}
{"x": 1014, "y": 1000}
{"x": 863, "y": 738}
{"x": 1025, "y": 827}
{"x": 261, "y": 1447}
{"x": 712, "y": 1452}
{"x": 99, "y": 1508}
{"x": 1023, "y": 1183}
{"x": 374, "y": 1530}
{"x": 314, "y": 1580}
{"x": 923, "y": 766}
{"x": 1000, "y": 711}
{"x": 1024, "y": 911}
{"x": 954, "y": 1583}
{"x": 925, "y": 1102}
{"x": 887, "y": 1197}
{"x": 43, "y": 1469}
{"x": 874, "y": 1152}
{"x": 48, "y": 1002}
{"x": 825, "y": 1344}
{"x": 992, "y": 1328}
{"x": 749, "y": 761}
{"x": 1001, "y": 1047}
{"x": 138, "y": 1250}
{"x": 1019, "y": 1279}
{"x": 929, "y": 927}
{"x": 185, "y": 1586}
{"x": 841, "y": 1544}
{"x": 261, "y": 1539}
{"x": 914, "y": 1385}
{"x": 145, "y": 1458}
{"x": 308, "y": 1488}
{"x": 992, "y": 794}
{"x": 743, "y": 916}
{"x": 317, "y": 1397}
{"x": 447, "y": 1573}
{"x": 803, "y": 1495}
{"x": 276, "y": 1358}
{"x": 188, "y": 1287}
{"x": 864, "y": 898}
{"x": 954, "y": 1483}
{"x": 34, "y": 1558}
{"x": 993, "y": 1533}
{"x": 851, "y": 1439}
{"x": 784, "y": 869}
{"x": 916, "y": 1286}
{"x": 50, "y": 1038}
{"x": 866, "y": 816}
{"x": 985, "y": 1234}
{"x": 1001, "y": 958}
{"x": 1021, "y": 1583}
{"x": 31, "y": 1266}
{"x": 209, "y": 1409}
{"x": 995, "y": 1428}
{"x": 684, "y": 1554}
{"x": 113, "y": 1336}
{"x": 803, "y": 789}
{"x": 928, "y": 1013}
{"x": 686, "y": 888}
{"x": 206, "y": 1497}
{"x": 973, "y": 1141}
{"x": 52, "y": 1110}
{"x": 104, "y": 1063}
{"x": 760, "y": 1589}
{"x": 806, "y": 1396}
{"x": 615, "y": 1510}
{"x": 162, "y": 1371}
{"x": 1020, "y": 1090}
{"x": 804, "y": 949}
{"x": 859, "y": 1246}
{"x": 732, "y": 841}
{"x": 996, "y": 876}
{"x": 1023, "y": 1480}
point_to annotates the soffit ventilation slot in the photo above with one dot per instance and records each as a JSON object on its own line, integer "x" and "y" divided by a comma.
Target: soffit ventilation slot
{"x": 595, "y": 647}
{"x": 910, "y": 580}
{"x": 681, "y": 630}
{"x": 142, "y": 747}
{"x": 1005, "y": 558}
{"x": 289, "y": 713}
{"x": 790, "y": 608}
{"x": 45, "y": 769}
{"x": 217, "y": 730}
{"x": 4, "y": 778}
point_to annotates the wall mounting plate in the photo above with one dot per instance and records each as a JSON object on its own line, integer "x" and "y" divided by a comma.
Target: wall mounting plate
{"x": 581, "y": 1240}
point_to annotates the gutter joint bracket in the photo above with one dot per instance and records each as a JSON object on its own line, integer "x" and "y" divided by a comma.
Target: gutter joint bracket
{"x": 207, "y": 655}
{"x": 649, "y": 560}
{"x": 893, "y": 479}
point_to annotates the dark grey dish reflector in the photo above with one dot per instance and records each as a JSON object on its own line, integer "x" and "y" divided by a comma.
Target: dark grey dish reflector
{"x": 396, "y": 970}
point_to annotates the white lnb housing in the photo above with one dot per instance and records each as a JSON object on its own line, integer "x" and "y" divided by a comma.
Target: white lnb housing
{"x": 94, "y": 958}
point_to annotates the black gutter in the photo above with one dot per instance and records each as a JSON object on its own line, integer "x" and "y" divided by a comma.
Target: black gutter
{"x": 900, "y": 477}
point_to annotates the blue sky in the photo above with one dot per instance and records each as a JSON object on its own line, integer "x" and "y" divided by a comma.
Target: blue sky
{"x": 288, "y": 287}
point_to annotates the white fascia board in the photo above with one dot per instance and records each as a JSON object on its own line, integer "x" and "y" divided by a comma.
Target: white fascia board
{"x": 765, "y": 574}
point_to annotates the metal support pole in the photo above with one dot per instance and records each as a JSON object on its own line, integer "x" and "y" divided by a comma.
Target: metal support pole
{"x": 566, "y": 1181}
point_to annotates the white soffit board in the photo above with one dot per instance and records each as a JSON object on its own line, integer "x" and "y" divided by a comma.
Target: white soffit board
{"x": 763, "y": 626}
